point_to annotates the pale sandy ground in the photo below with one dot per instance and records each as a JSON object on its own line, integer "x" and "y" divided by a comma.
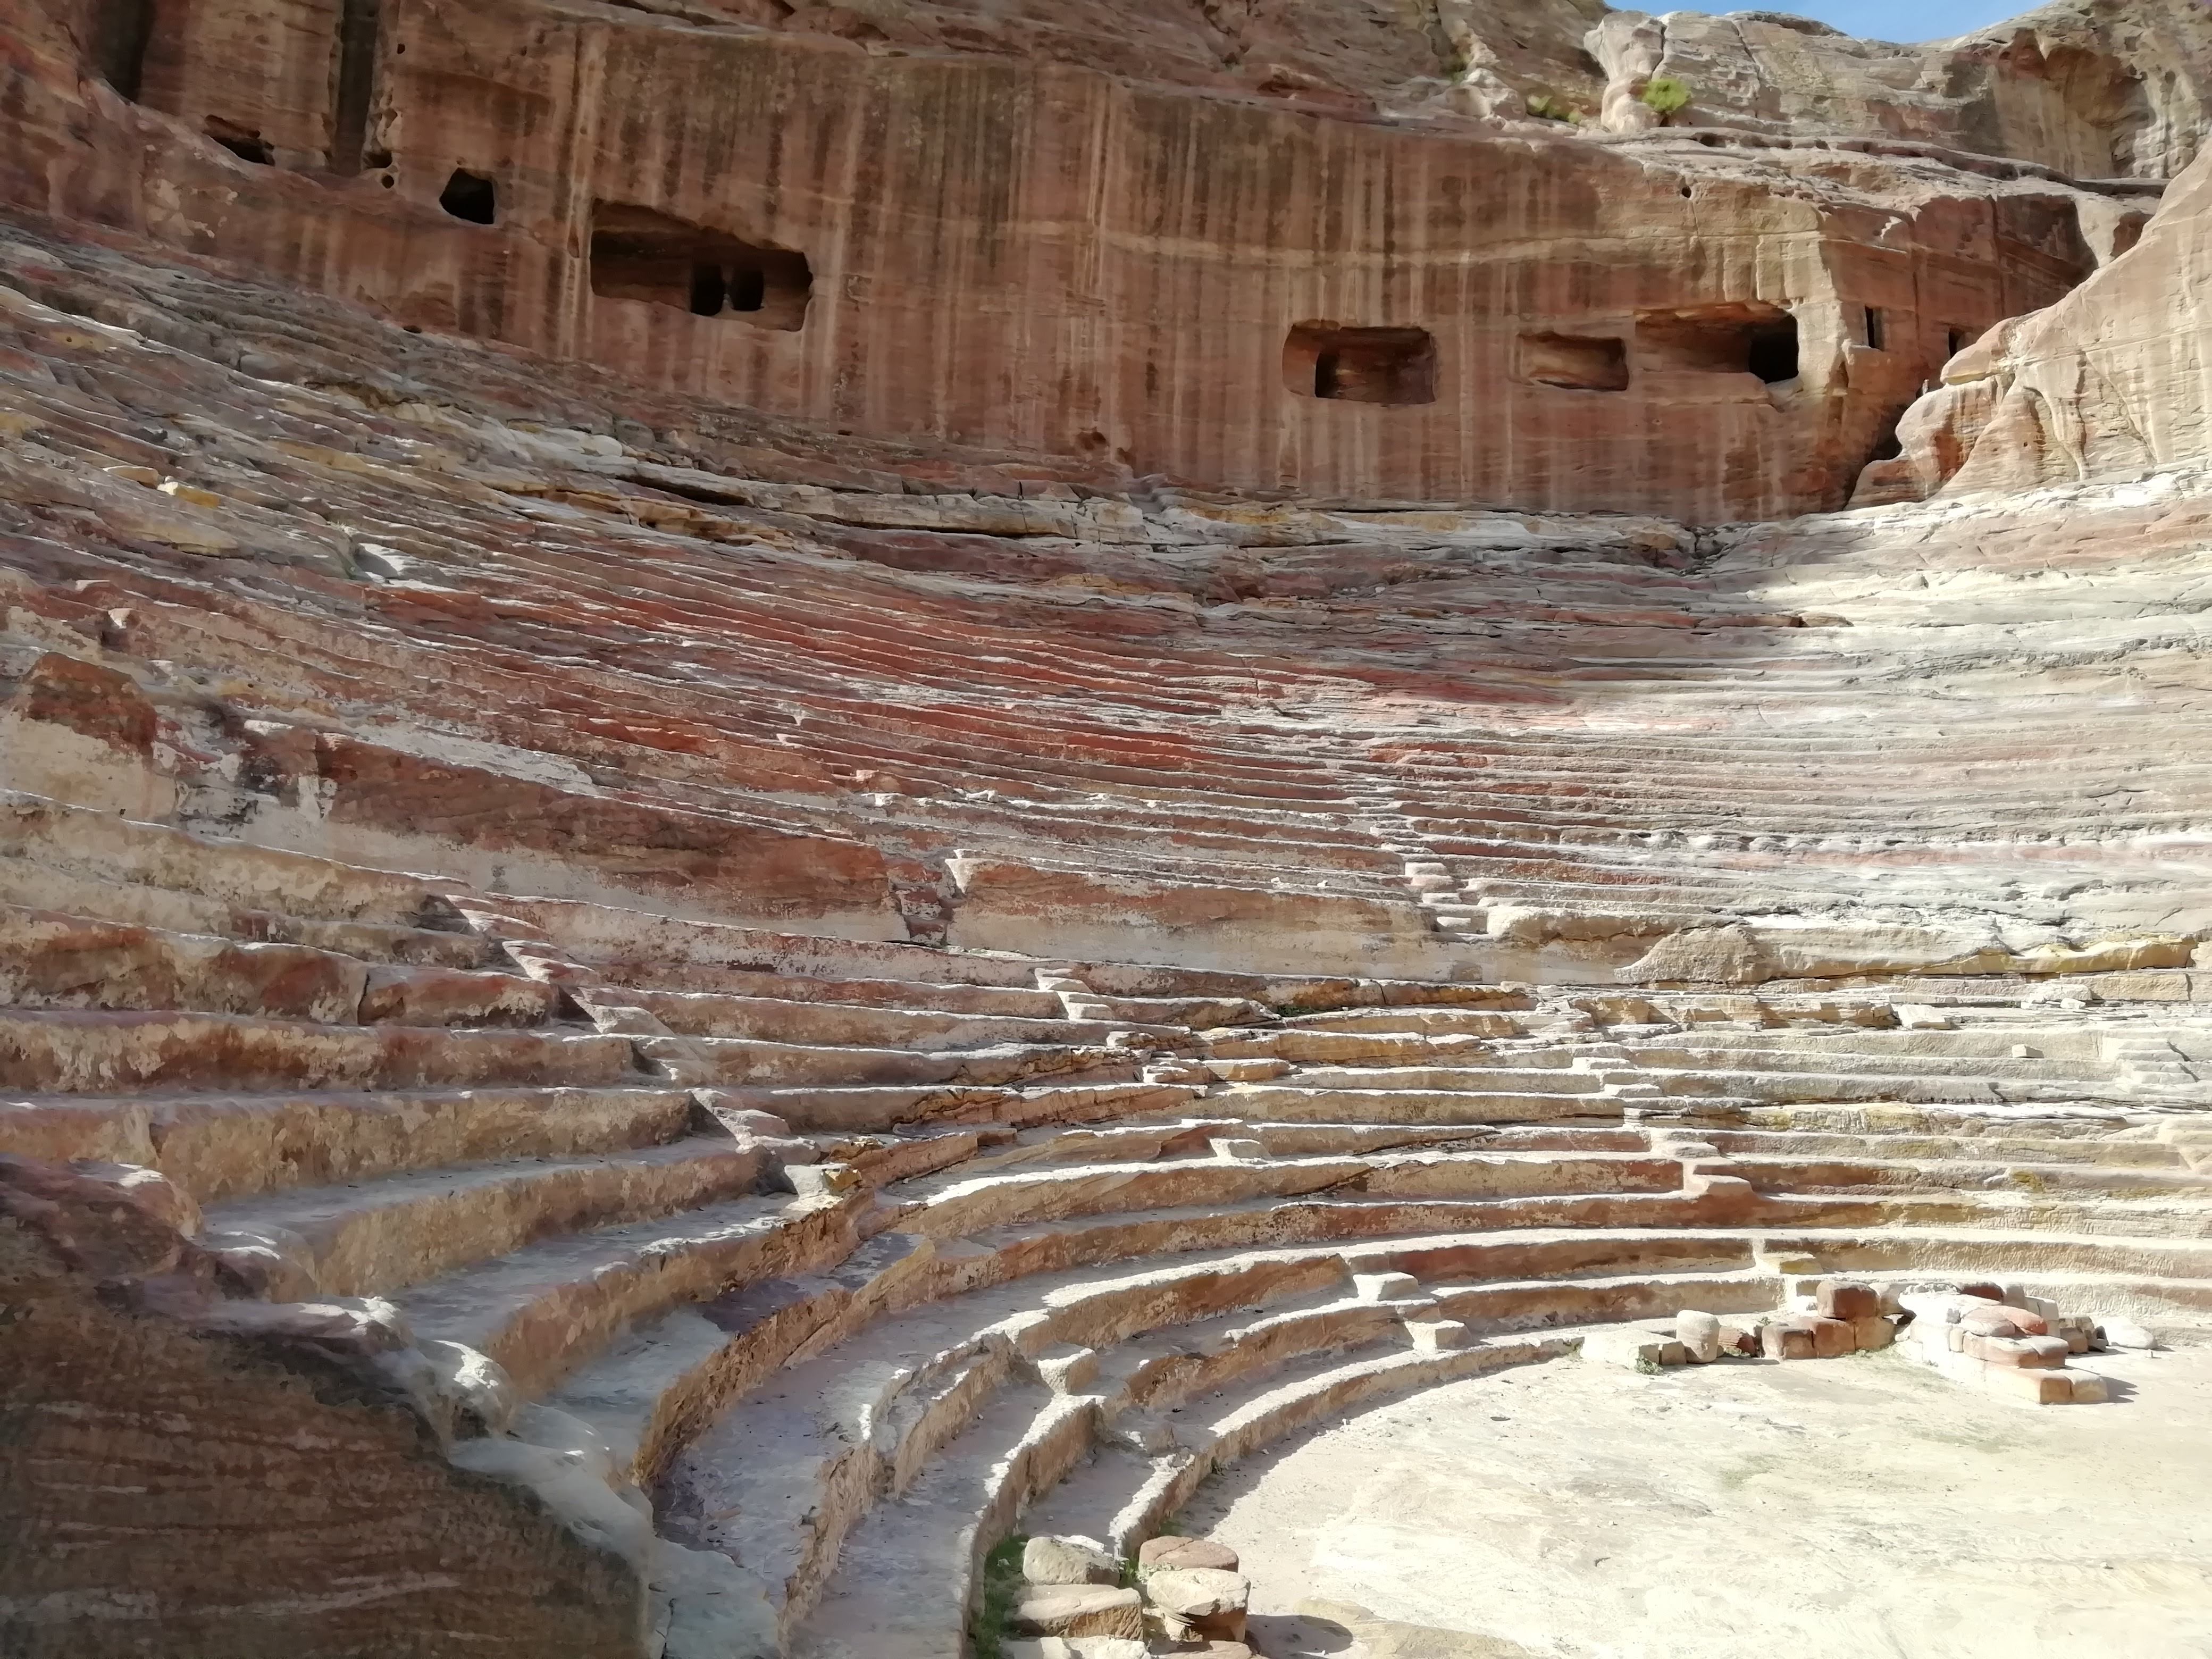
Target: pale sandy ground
{"x": 1860, "y": 1507}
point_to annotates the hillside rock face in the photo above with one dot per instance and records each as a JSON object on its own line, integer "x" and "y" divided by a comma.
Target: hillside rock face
{"x": 2089, "y": 91}
{"x": 890, "y": 231}
{"x": 2110, "y": 383}
{"x": 770, "y": 768}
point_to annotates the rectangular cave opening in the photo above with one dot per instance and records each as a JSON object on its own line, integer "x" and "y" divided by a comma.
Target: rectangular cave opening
{"x": 1578, "y": 362}
{"x": 1742, "y": 337}
{"x": 1393, "y": 366}
{"x": 1875, "y": 334}
{"x": 122, "y": 30}
{"x": 638, "y": 253}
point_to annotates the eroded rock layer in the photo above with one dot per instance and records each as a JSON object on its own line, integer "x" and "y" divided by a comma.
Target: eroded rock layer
{"x": 667, "y": 962}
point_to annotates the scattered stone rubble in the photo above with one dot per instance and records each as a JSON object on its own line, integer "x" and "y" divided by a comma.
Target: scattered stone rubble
{"x": 2011, "y": 1344}
{"x": 1188, "y": 1597}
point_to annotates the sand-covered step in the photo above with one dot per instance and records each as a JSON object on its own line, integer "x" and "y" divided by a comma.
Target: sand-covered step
{"x": 545, "y": 1309}
{"x": 88, "y": 1052}
{"x": 220, "y": 1146}
{"x": 1353, "y": 1225}
{"x": 370, "y": 1237}
{"x": 1326, "y": 1048}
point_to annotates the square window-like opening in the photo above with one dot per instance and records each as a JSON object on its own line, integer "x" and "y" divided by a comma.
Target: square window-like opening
{"x": 1744, "y": 337}
{"x": 1394, "y": 366}
{"x": 641, "y": 254}
{"x": 1578, "y": 361}
{"x": 471, "y": 196}
{"x": 1876, "y": 335}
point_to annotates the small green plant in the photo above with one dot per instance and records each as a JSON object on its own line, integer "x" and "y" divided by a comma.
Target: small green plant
{"x": 1545, "y": 107}
{"x": 1664, "y": 93}
{"x": 1002, "y": 1589}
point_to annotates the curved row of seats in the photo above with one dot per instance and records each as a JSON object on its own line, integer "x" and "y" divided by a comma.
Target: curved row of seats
{"x": 852, "y": 1254}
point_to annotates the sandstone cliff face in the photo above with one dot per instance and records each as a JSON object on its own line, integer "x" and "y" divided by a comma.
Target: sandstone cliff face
{"x": 2089, "y": 91}
{"x": 2113, "y": 381}
{"x": 1200, "y": 283}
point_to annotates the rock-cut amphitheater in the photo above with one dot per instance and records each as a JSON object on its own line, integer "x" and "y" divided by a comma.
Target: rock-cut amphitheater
{"x": 1068, "y": 828}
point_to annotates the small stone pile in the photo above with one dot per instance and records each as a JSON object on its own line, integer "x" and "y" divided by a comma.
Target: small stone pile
{"x": 1190, "y": 1598}
{"x": 2014, "y": 1346}
{"x": 2006, "y": 1343}
{"x": 1837, "y": 1317}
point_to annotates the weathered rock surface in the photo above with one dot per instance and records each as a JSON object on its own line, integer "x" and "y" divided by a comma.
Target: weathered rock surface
{"x": 789, "y": 787}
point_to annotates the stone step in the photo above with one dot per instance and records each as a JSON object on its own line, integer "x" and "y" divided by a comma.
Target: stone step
{"x": 1546, "y": 1079}
{"x": 220, "y": 1146}
{"x": 36, "y": 887}
{"x": 1219, "y": 1432}
{"x": 906, "y": 1579}
{"x": 52, "y": 960}
{"x": 1412, "y": 1021}
{"x": 830, "y": 1111}
{"x": 102, "y": 847}
{"x": 853, "y": 1025}
{"x": 957, "y": 1203}
{"x": 746, "y": 1062}
{"x": 719, "y": 979}
{"x": 1295, "y": 1103}
{"x": 1818, "y": 1088}
{"x": 1780, "y": 1174}
{"x": 373, "y": 1237}
{"x": 548, "y": 1308}
{"x": 1545, "y": 1303}
{"x": 90, "y": 1052}
{"x": 1865, "y": 1060}
{"x": 2023, "y": 1148}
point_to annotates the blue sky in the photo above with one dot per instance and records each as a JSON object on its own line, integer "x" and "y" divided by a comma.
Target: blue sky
{"x": 1881, "y": 19}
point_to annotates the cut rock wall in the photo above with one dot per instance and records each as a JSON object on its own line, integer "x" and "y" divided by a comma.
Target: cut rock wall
{"x": 985, "y": 251}
{"x": 2112, "y": 382}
